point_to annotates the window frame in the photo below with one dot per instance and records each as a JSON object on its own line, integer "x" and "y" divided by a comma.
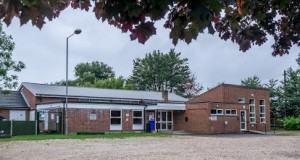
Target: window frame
{"x": 217, "y": 111}
{"x": 115, "y": 126}
{"x": 230, "y": 114}
{"x": 262, "y": 113}
{"x": 138, "y": 126}
{"x": 252, "y": 115}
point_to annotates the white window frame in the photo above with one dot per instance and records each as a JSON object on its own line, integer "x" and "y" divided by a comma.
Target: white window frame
{"x": 262, "y": 115}
{"x": 252, "y": 115}
{"x": 115, "y": 127}
{"x": 137, "y": 126}
{"x": 230, "y": 114}
{"x": 217, "y": 111}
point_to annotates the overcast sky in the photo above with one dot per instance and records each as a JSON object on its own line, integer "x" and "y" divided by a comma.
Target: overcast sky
{"x": 211, "y": 59}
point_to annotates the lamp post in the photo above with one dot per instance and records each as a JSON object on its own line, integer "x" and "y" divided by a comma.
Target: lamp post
{"x": 77, "y": 31}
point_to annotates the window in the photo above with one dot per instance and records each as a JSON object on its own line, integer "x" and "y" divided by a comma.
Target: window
{"x": 137, "y": 117}
{"x": 230, "y": 112}
{"x": 252, "y": 110}
{"x": 216, "y": 111}
{"x": 262, "y": 112}
{"x": 115, "y": 120}
{"x": 241, "y": 100}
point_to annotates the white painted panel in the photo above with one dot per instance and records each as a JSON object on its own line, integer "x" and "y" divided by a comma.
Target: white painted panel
{"x": 17, "y": 115}
{"x": 46, "y": 118}
{"x": 32, "y": 115}
{"x": 116, "y": 127}
{"x": 137, "y": 127}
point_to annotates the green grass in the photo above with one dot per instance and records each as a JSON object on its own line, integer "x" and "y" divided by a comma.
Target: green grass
{"x": 284, "y": 132}
{"x": 73, "y": 136}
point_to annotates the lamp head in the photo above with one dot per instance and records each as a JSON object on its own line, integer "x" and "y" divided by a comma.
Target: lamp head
{"x": 77, "y": 31}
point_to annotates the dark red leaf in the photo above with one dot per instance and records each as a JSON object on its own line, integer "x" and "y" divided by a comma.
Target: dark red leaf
{"x": 143, "y": 32}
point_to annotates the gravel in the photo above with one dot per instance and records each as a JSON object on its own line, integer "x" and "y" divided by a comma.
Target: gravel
{"x": 245, "y": 146}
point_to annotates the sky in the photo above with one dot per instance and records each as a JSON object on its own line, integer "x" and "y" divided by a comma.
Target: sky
{"x": 211, "y": 59}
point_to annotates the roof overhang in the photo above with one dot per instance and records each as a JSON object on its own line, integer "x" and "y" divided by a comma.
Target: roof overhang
{"x": 167, "y": 106}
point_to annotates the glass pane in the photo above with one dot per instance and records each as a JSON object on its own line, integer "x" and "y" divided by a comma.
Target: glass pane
{"x": 243, "y": 126}
{"x": 252, "y": 109}
{"x": 220, "y": 111}
{"x": 115, "y": 121}
{"x": 137, "y": 121}
{"x": 137, "y": 114}
{"x": 261, "y": 102}
{"x": 169, "y": 116}
{"x": 213, "y": 111}
{"x": 164, "y": 116}
{"x": 233, "y": 112}
{"x": 158, "y": 116}
{"x": 262, "y": 120}
{"x": 252, "y": 120}
{"x": 227, "y": 111}
{"x": 157, "y": 125}
{"x": 251, "y": 101}
{"x": 262, "y": 109}
{"x": 115, "y": 114}
{"x": 169, "y": 125}
{"x": 163, "y": 126}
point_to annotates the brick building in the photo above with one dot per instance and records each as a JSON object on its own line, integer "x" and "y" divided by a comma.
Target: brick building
{"x": 224, "y": 109}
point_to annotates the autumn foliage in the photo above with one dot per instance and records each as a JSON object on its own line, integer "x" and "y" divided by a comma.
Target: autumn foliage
{"x": 244, "y": 22}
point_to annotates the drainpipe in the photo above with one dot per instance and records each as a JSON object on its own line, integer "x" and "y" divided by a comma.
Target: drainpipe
{"x": 145, "y": 118}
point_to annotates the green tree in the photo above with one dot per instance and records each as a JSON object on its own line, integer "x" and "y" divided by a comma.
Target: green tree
{"x": 90, "y": 72}
{"x": 244, "y": 22}
{"x": 111, "y": 83}
{"x": 8, "y": 67}
{"x": 158, "y": 71}
{"x": 292, "y": 92}
{"x": 252, "y": 82}
{"x": 276, "y": 98}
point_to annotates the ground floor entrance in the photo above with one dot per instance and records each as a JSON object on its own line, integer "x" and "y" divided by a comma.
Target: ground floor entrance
{"x": 160, "y": 120}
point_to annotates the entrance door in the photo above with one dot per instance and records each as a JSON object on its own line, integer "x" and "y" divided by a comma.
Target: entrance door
{"x": 164, "y": 120}
{"x": 243, "y": 120}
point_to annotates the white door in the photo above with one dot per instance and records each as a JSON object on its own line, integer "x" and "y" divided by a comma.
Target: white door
{"x": 32, "y": 115}
{"x": 17, "y": 115}
{"x": 243, "y": 120}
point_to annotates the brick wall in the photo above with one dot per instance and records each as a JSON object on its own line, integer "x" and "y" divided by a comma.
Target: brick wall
{"x": 215, "y": 94}
{"x": 29, "y": 97}
{"x": 4, "y": 113}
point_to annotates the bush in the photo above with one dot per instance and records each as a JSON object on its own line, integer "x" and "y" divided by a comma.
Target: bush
{"x": 292, "y": 123}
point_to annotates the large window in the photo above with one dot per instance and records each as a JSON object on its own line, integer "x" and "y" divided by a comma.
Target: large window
{"x": 115, "y": 120}
{"x": 230, "y": 112}
{"x": 216, "y": 111}
{"x": 262, "y": 113}
{"x": 137, "y": 120}
{"x": 252, "y": 111}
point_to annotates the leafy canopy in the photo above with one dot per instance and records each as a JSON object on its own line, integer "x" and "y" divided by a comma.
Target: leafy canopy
{"x": 90, "y": 72}
{"x": 8, "y": 79}
{"x": 244, "y": 22}
{"x": 252, "y": 82}
{"x": 158, "y": 72}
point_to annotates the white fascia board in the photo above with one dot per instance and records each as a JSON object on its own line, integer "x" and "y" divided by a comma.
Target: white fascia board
{"x": 166, "y": 106}
{"x": 103, "y": 106}
{"x": 49, "y": 106}
{"x": 89, "y": 106}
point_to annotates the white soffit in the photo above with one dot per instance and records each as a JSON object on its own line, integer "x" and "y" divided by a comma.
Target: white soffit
{"x": 166, "y": 106}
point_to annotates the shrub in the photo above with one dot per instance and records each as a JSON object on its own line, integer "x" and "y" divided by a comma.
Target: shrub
{"x": 292, "y": 123}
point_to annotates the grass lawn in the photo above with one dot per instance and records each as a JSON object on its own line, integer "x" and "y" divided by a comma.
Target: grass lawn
{"x": 284, "y": 132}
{"x": 73, "y": 136}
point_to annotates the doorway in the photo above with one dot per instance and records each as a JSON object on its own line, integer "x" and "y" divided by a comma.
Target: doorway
{"x": 164, "y": 120}
{"x": 243, "y": 121}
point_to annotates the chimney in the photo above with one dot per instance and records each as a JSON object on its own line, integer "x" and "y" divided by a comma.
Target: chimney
{"x": 165, "y": 96}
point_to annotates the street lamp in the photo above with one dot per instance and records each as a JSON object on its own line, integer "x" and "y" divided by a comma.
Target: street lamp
{"x": 77, "y": 31}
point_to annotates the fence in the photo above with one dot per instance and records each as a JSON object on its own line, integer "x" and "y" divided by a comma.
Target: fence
{"x": 16, "y": 128}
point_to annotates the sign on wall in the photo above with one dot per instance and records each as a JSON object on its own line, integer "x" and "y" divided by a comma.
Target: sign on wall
{"x": 93, "y": 117}
{"x": 213, "y": 118}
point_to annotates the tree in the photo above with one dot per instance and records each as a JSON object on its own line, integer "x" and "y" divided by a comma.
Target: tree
{"x": 8, "y": 79}
{"x": 244, "y": 22}
{"x": 252, "y": 82}
{"x": 90, "y": 72}
{"x": 111, "y": 83}
{"x": 158, "y": 71}
{"x": 276, "y": 98}
{"x": 292, "y": 92}
{"x": 190, "y": 89}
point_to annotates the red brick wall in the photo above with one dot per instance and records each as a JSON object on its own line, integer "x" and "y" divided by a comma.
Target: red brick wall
{"x": 216, "y": 95}
{"x": 4, "y": 113}
{"x": 29, "y": 97}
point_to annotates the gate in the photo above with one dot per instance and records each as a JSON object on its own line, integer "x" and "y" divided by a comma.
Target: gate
{"x": 49, "y": 122}
{"x": 17, "y": 128}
